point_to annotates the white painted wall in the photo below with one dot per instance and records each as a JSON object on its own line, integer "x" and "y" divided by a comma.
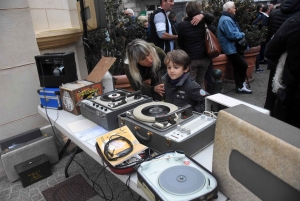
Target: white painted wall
{"x": 20, "y": 20}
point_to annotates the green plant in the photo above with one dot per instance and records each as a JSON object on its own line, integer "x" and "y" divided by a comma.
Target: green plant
{"x": 112, "y": 40}
{"x": 245, "y": 15}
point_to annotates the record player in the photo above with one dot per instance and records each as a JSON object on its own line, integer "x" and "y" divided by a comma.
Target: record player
{"x": 163, "y": 126}
{"x": 104, "y": 109}
{"x": 175, "y": 176}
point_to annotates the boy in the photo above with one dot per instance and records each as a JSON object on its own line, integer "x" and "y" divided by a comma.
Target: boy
{"x": 180, "y": 89}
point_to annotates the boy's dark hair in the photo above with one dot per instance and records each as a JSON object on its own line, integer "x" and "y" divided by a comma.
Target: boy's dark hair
{"x": 161, "y": 1}
{"x": 172, "y": 15}
{"x": 265, "y": 9}
{"x": 178, "y": 57}
{"x": 259, "y": 6}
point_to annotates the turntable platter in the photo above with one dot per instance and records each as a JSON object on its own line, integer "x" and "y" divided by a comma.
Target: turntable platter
{"x": 112, "y": 95}
{"x": 147, "y": 112}
{"x": 181, "y": 180}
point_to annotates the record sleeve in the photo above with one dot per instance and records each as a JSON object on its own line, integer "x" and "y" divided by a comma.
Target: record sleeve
{"x": 119, "y": 146}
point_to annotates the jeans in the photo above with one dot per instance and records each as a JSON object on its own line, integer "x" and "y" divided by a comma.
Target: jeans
{"x": 198, "y": 70}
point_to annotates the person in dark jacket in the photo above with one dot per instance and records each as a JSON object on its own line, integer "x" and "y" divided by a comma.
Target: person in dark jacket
{"x": 145, "y": 61}
{"x": 192, "y": 40}
{"x": 277, "y": 18}
{"x": 287, "y": 83}
{"x": 262, "y": 21}
{"x": 160, "y": 28}
{"x": 174, "y": 25}
{"x": 180, "y": 88}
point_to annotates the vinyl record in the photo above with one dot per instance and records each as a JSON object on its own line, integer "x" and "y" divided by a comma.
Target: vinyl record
{"x": 112, "y": 95}
{"x": 147, "y": 112}
{"x": 181, "y": 180}
{"x": 155, "y": 110}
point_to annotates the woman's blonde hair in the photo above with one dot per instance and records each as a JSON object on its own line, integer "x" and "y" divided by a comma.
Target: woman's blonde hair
{"x": 136, "y": 51}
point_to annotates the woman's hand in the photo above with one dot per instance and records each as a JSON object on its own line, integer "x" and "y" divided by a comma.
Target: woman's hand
{"x": 159, "y": 89}
{"x": 196, "y": 19}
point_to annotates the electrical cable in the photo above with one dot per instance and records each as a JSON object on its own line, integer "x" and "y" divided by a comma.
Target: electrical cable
{"x": 43, "y": 81}
{"x": 109, "y": 155}
{"x": 94, "y": 183}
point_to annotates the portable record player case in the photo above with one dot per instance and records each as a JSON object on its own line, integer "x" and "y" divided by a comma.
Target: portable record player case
{"x": 201, "y": 128}
{"x": 175, "y": 176}
{"x": 50, "y": 98}
{"x": 106, "y": 116}
{"x": 72, "y": 93}
{"x": 25, "y": 146}
{"x": 255, "y": 156}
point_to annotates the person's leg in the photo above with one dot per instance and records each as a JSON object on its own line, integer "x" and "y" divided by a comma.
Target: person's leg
{"x": 262, "y": 52}
{"x": 208, "y": 74}
{"x": 257, "y": 69}
{"x": 193, "y": 69}
{"x": 202, "y": 67}
{"x": 239, "y": 68}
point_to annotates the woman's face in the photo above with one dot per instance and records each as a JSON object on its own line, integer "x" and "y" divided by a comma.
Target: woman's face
{"x": 147, "y": 62}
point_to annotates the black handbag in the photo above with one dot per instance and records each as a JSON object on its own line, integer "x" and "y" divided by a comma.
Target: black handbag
{"x": 241, "y": 45}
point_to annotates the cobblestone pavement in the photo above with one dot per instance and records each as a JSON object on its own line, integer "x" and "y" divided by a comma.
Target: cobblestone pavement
{"x": 15, "y": 192}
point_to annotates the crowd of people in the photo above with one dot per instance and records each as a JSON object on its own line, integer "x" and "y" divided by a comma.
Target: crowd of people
{"x": 177, "y": 73}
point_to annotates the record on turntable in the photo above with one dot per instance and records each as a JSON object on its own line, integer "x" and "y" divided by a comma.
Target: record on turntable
{"x": 148, "y": 111}
{"x": 110, "y": 96}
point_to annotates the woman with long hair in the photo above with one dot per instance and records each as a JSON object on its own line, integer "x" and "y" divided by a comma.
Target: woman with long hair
{"x": 145, "y": 61}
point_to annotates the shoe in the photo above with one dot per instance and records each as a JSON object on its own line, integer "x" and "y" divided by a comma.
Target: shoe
{"x": 263, "y": 62}
{"x": 259, "y": 70}
{"x": 244, "y": 90}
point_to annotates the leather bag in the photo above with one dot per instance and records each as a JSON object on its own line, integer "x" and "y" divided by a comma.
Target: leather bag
{"x": 241, "y": 45}
{"x": 212, "y": 44}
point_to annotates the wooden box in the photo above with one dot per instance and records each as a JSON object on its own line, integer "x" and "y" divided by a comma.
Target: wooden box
{"x": 72, "y": 93}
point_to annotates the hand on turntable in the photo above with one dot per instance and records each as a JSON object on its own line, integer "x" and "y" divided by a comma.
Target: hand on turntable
{"x": 159, "y": 89}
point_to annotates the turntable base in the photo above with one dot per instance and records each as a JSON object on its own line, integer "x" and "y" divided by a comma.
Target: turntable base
{"x": 104, "y": 109}
{"x": 190, "y": 132}
{"x": 172, "y": 177}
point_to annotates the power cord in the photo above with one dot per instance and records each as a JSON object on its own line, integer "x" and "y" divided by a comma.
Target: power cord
{"x": 211, "y": 114}
{"x": 109, "y": 154}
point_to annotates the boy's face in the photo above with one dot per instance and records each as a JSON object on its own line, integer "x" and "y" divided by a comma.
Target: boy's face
{"x": 175, "y": 70}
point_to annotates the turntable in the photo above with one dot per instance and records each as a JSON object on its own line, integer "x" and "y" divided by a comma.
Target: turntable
{"x": 104, "y": 109}
{"x": 174, "y": 176}
{"x": 163, "y": 126}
